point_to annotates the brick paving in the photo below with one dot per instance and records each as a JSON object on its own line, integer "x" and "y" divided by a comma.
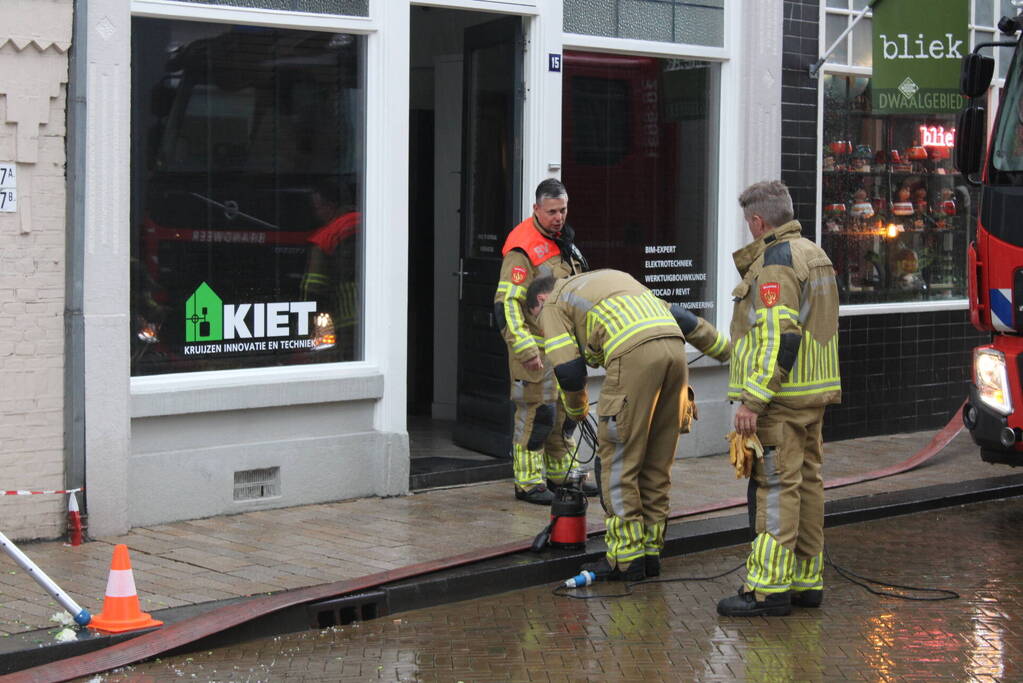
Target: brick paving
{"x": 260, "y": 552}
{"x": 670, "y": 631}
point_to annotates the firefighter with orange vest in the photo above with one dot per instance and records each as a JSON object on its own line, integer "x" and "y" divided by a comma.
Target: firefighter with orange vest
{"x": 542, "y": 245}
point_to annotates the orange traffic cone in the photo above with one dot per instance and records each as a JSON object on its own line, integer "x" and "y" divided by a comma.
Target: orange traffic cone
{"x": 121, "y": 611}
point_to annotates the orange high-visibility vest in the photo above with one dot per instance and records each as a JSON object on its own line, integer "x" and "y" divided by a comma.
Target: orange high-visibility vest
{"x": 527, "y": 237}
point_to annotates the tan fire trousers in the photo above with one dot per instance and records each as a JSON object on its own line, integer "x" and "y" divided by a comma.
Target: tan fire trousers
{"x": 539, "y": 450}
{"x": 639, "y": 415}
{"x": 787, "y": 551}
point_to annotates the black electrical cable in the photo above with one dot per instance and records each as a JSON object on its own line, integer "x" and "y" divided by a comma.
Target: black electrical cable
{"x": 588, "y": 435}
{"x": 862, "y": 581}
{"x": 847, "y": 574}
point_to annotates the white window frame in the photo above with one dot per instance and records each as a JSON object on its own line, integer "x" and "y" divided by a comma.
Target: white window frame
{"x": 729, "y": 156}
{"x": 272, "y": 385}
{"x": 845, "y": 69}
{"x": 252, "y": 16}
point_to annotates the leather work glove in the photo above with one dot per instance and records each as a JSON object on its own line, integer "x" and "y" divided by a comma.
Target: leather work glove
{"x": 689, "y": 412}
{"x": 740, "y": 452}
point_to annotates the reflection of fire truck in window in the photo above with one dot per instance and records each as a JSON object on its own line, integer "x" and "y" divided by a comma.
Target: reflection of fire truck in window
{"x": 636, "y": 150}
{"x": 251, "y": 157}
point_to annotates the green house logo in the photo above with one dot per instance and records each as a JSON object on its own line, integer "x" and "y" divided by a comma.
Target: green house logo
{"x": 204, "y": 315}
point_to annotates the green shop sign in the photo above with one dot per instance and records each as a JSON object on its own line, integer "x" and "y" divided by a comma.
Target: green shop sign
{"x": 918, "y": 47}
{"x": 211, "y": 326}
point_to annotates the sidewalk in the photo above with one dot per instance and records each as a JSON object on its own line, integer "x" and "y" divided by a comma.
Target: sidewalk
{"x": 205, "y": 560}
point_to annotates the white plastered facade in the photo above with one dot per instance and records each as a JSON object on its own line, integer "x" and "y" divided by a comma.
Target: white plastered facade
{"x": 164, "y": 448}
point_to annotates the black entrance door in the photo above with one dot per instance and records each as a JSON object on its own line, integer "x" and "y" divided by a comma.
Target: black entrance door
{"x": 491, "y": 189}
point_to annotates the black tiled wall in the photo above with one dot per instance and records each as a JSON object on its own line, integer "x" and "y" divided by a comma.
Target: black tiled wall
{"x": 799, "y": 109}
{"x": 901, "y": 372}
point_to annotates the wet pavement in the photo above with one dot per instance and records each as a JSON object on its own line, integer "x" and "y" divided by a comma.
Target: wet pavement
{"x": 669, "y": 631}
{"x": 201, "y": 561}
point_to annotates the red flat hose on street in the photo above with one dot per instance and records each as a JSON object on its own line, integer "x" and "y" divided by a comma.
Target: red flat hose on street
{"x": 153, "y": 643}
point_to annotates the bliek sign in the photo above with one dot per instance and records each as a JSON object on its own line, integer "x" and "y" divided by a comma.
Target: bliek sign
{"x": 917, "y": 49}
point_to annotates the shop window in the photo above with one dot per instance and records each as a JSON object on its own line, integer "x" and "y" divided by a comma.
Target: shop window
{"x": 639, "y": 139}
{"x": 353, "y": 8}
{"x": 670, "y": 21}
{"x": 896, "y": 215}
{"x": 600, "y": 127}
{"x": 246, "y": 177}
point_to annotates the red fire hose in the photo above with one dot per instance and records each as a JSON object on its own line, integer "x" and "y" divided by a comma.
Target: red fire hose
{"x": 157, "y": 642}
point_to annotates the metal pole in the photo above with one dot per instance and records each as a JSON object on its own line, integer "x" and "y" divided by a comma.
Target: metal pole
{"x": 82, "y": 616}
{"x": 74, "y": 256}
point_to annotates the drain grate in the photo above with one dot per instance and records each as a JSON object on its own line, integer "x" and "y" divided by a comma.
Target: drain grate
{"x": 347, "y": 609}
{"x": 261, "y": 483}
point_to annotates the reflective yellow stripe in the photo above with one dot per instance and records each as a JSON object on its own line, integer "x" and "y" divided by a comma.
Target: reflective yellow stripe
{"x": 816, "y": 370}
{"x": 718, "y": 346}
{"x": 820, "y": 389}
{"x": 558, "y": 342}
{"x": 637, "y": 328}
{"x": 769, "y": 565}
{"x": 623, "y": 316}
{"x": 768, "y": 335}
{"x": 513, "y": 316}
{"x": 573, "y": 411}
{"x": 624, "y": 539}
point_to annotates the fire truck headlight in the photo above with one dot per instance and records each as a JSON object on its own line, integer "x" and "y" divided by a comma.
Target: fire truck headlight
{"x": 992, "y": 380}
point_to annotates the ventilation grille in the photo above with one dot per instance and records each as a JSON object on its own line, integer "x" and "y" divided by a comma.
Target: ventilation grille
{"x": 262, "y": 483}
{"x": 348, "y": 609}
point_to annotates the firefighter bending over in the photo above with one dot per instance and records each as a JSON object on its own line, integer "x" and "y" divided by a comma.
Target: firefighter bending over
{"x": 606, "y": 318}
{"x": 784, "y": 372}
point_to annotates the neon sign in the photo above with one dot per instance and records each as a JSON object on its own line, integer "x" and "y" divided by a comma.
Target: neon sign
{"x": 937, "y": 136}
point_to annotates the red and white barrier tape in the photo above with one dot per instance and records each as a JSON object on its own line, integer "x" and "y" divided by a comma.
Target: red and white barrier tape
{"x": 36, "y": 493}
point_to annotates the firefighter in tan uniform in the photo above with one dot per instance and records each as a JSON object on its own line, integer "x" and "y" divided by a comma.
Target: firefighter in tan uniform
{"x": 784, "y": 372}
{"x": 539, "y": 246}
{"x": 606, "y": 318}
{"x": 330, "y": 277}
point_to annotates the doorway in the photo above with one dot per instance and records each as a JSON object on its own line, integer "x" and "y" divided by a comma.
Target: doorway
{"x": 464, "y": 197}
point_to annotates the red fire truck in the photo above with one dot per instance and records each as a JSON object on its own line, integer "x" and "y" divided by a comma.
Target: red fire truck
{"x": 994, "y": 411}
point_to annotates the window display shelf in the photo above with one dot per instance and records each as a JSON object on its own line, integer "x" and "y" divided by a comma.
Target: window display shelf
{"x": 840, "y": 172}
{"x": 894, "y": 214}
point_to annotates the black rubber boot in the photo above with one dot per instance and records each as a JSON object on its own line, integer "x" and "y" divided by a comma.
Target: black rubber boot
{"x": 745, "y": 604}
{"x": 653, "y": 566}
{"x": 605, "y": 572}
{"x": 810, "y": 598}
{"x": 538, "y": 495}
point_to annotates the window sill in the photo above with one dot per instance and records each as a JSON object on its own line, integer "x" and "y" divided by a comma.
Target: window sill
{"x": 904, "y": 307}
{"x": 205, "y": 392}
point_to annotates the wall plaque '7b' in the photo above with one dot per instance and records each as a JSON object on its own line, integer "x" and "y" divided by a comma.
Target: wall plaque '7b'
{"x": 8, "y": 188}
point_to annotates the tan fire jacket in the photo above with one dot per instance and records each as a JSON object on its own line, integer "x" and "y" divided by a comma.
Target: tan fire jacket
{"x": 519, "y": 329}
{"x": 602, "y": 314}
{"x": 785, "y": 324}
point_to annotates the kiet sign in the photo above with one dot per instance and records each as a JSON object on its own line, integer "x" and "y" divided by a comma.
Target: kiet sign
{"x": 211, "y": 326}
{"x": 918, "y": 47}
